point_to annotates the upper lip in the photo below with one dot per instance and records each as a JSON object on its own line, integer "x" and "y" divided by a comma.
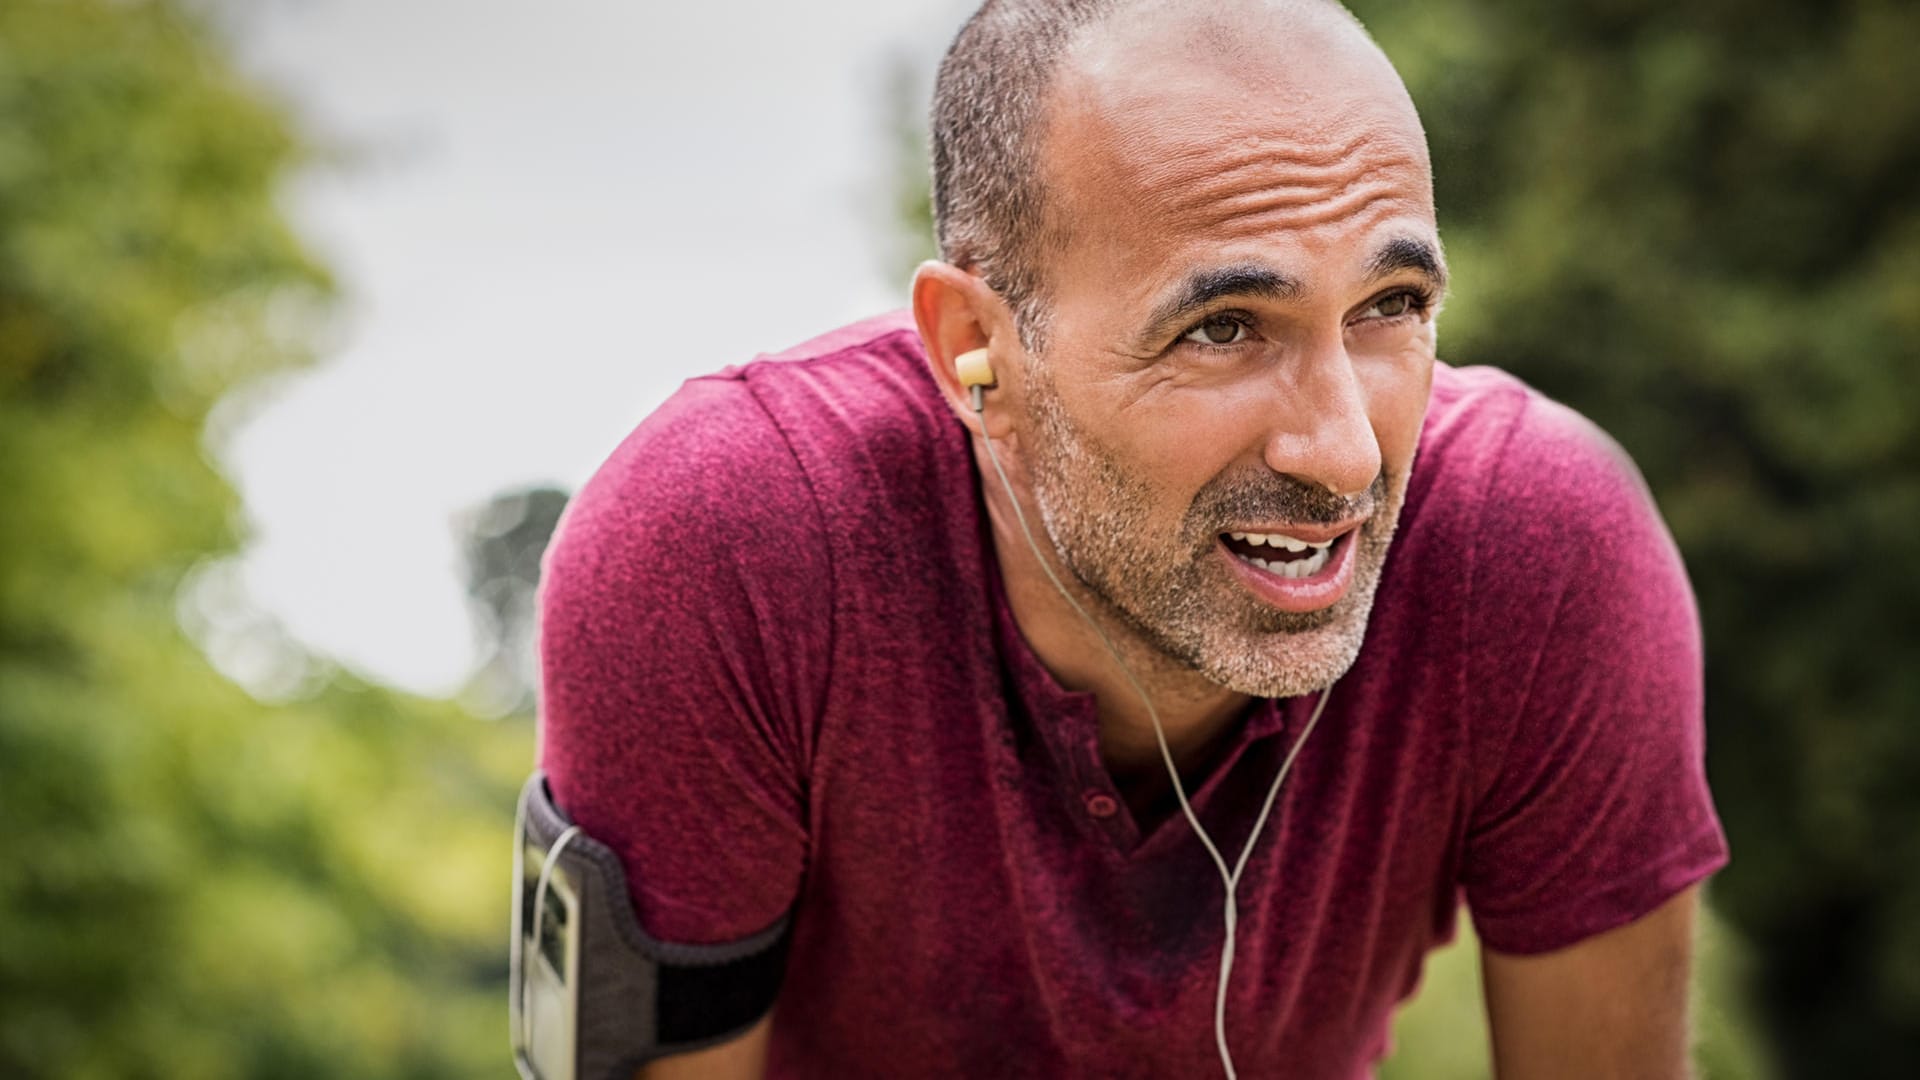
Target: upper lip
{"x": 1311, "y": 534}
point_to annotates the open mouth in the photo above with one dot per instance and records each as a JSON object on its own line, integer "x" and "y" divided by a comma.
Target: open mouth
{"x": 1282, "y": 555}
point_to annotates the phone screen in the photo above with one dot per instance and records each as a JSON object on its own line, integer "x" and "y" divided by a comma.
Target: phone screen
{"x": 550, "y": 967}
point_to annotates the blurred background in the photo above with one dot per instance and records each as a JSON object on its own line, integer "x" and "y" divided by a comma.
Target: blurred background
{"x": 312, "y": 312}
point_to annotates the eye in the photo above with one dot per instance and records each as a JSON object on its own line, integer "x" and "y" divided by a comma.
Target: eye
{"x": 1394, "y": 305}
{"x": 1223, "y": 329}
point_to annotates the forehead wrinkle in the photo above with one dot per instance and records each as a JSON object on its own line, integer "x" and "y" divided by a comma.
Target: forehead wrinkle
{"x": 1198, "y": 139}
{"x": 1270, "y": 212}
{"x": 1258, "y": 211}
{"x": 1133, "y": 128}
{"x": 1206, "y": 187}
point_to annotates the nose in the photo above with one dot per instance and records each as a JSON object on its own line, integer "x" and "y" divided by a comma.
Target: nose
{"x": 1323, "y": 434}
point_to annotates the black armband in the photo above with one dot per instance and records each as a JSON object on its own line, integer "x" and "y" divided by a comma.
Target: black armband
{"x": 594, "y": 996}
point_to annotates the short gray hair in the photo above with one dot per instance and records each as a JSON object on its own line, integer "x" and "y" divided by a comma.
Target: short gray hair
{"x": 988, "y": 206}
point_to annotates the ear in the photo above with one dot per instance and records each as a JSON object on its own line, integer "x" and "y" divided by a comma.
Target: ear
{"x": 957, "y": 314}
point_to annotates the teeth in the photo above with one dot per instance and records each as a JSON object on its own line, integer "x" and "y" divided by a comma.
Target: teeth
{"x": 1307, "y": 567}
{"x": 1280, "y": 540}
{"x": 1296, "y": 568}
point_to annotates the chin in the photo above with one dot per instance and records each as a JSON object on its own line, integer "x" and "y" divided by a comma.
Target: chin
{"x": 1290, "y": 662}
{"x": 1280, "y": 654}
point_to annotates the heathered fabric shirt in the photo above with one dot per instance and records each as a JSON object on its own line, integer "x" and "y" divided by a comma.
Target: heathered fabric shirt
{"x": 781, "y": 676}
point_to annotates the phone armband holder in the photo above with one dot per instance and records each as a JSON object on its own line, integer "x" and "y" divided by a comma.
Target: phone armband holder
{"x": 592, "y": 995}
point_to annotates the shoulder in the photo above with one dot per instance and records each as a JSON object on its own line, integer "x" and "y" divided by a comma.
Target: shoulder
{"x": 1583, "y": 676}
{"x": 1551, "y": 549}
{"x": 748, "y": 447}
{"x": 703, "y": 468}
{"x": 1540, "y": 487}
{"x": 694, "y": 606}
{"x": 859, "y": 409}
{"x": 749, "y": 500}
{"x": 1574, "y": 589}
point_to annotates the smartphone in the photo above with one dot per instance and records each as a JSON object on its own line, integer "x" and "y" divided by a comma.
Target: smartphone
{"x": 546, "y": 968}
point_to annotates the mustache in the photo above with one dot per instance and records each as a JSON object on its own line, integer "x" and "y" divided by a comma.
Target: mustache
{"x": 1280, "y": 498}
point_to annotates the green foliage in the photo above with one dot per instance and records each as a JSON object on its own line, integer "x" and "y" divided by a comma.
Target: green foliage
{"x": 195, "y": 884}
{"x": 503, "y": 542}
{"x": 909, "y": 172}
{"x": 1694, "y": 223}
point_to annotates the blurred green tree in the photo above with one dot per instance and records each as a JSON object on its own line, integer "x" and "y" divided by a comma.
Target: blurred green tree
{"x": 502, "y": 542}
{"x": 1695, "y": 223}
{"x": 195, "y": 884}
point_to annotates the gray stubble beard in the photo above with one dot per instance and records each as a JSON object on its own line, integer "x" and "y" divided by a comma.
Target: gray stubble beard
{"x": 1187, "y": 609}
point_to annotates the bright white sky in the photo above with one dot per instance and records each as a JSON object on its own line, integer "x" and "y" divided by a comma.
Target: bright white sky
{"x": 563, "y": 209}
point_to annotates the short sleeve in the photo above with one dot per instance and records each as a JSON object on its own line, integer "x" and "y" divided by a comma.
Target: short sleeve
{"x": 685, "y": 623}
{"x": 1590, "y": 800}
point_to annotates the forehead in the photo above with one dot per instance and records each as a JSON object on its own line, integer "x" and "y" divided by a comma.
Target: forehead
{"x": 1254, "y": 126}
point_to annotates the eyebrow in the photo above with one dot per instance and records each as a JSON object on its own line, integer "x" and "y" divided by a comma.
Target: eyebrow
{"x": 1407, "y": 253}
{"x": 1203, "y": 287}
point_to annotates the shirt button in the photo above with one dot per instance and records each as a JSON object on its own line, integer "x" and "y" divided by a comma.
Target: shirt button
{"x": 1101, "y": 805}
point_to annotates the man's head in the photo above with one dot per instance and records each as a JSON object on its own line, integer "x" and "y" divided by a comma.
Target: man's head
{"x": 1199, "y": 239}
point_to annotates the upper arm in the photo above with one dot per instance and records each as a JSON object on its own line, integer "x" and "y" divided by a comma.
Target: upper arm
{"x": 684, "y": 639}
{"x": 684, "y": 607}
{"x": 742, "y": 1058}
{"x": 1613, "y": 1005}
{"x": 1589, "y": 801}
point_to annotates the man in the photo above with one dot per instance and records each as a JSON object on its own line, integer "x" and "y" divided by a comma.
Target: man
{"x": 809, "y": 679}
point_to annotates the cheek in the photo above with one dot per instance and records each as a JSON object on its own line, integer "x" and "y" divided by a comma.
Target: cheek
{"x": 1172, "y": 450}
{"x": 1230, "y": 412}
{"x": 1397, "y": 387}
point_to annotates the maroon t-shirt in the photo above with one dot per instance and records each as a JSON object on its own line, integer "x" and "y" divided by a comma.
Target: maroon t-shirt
{"x": 781, "y": 677}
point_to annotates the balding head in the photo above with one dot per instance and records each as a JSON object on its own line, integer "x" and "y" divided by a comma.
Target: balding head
{"x": 996, "y": 103}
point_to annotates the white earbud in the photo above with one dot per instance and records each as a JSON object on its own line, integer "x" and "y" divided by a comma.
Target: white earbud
{"x": 975, "y": 370}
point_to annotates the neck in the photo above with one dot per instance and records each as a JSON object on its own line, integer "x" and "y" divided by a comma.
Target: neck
{"x": 1192, "y": 709}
